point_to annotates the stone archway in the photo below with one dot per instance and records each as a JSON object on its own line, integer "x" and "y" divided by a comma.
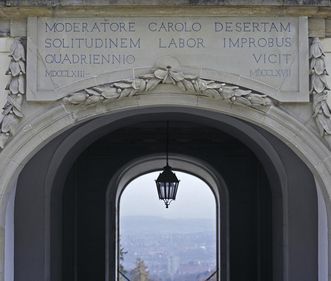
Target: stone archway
{"x": 76, "y": 136}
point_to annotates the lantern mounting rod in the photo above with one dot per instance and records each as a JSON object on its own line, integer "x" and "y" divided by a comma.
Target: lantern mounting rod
{"x": 167, "y": 182}
{"x": 167, "y": 142}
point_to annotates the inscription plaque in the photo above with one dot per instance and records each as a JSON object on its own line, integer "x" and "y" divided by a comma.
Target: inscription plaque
{"x": 268, "y": 55}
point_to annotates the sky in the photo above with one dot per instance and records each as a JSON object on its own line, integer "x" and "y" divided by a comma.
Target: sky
{"x": 194, "y": 198}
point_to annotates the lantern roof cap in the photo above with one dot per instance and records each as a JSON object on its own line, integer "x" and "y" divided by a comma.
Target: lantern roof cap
{"x": 167, "y": 175}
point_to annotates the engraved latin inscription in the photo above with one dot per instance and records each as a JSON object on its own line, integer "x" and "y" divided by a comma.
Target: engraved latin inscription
{"x": 260, "y": 49}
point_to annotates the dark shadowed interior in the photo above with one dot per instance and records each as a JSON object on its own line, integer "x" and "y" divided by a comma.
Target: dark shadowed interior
{"x": 60, "y": 207}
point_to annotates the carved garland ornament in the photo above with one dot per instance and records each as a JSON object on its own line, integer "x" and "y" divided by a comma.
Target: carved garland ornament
{"x": 167, "y": 74}
{"x": 12, "y": 111}
{"x": 319, "y": 89}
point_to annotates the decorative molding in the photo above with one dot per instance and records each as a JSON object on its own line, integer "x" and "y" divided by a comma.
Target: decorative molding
{"x": 12, "y": 111}
{"x": 319, "y": 89}
{"x": 168, "y": 73}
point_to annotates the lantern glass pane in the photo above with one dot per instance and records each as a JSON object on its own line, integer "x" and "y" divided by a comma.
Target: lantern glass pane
{"x": 167, "y": 184}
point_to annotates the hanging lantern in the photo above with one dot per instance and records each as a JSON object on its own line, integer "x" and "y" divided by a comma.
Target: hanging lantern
{"x": 167, "y": 182}
{"x": 167, "y": 185}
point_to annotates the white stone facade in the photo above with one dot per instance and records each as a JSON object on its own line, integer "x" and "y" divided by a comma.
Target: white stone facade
{"x": 290, "y": 122}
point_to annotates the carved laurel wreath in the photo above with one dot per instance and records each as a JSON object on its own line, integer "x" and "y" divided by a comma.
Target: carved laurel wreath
{"x": 319, "y": 88}
{"x": 166, "y": 75}
{"x": 12, "y": 111}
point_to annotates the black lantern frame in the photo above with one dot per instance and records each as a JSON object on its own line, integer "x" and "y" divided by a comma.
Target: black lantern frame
{"x": 167, "y": 182}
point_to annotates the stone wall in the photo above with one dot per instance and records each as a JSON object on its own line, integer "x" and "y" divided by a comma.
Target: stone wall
{"x": 39, "y": 3}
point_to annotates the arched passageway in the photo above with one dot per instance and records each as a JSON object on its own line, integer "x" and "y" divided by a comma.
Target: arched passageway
{"x": 175, "y": 243}
{"x": 268, "y": 203}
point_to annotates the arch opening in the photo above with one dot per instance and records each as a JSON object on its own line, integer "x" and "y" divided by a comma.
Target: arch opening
{"x": 197, "y": 168}
{"x": 273, "y": 203}
{"x": 174, "y": 243}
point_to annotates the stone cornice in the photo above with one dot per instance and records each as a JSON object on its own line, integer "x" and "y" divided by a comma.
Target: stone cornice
{"x": 165, "y": 3}
{"x": 19, "y": 12}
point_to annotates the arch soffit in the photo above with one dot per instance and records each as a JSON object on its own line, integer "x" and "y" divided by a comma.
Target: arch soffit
{"x": 82, "y": 137}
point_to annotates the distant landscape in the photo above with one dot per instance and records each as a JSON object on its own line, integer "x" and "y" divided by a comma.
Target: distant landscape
{"x": 171, "y": 249}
